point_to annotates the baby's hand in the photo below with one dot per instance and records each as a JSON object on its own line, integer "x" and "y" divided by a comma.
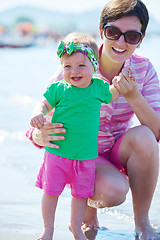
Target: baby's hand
{"x": 38, "y": 121}
{"x": 132, "y": 74}
{"x": 126, "y": 83}
{"x": 116, "y": 81}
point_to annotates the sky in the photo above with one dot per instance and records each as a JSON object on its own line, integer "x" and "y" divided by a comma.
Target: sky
{"x": 74, "y": 6}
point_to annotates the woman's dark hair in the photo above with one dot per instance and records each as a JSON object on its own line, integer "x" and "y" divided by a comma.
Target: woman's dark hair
{"x": 116, "y": 9}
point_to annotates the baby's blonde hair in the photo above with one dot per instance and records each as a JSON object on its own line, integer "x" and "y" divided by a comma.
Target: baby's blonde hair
{"x": 82, "y": 38}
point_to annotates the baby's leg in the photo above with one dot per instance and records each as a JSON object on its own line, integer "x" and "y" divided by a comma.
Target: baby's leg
{"x": 49, "y": 204}
{"x": 78, "y": 208}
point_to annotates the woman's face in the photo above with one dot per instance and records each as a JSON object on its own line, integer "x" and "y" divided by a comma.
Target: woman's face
{"x": 118, "y": 51}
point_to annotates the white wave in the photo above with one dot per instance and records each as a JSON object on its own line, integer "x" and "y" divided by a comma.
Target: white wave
{"x": 118, "y": 215}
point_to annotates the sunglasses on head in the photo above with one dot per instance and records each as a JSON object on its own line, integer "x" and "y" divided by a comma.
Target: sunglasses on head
{"x": 113, "y": 33}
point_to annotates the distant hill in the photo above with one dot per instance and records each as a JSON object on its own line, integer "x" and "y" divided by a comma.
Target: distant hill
{"x": 62, "y": 22}
{"x": 87, "y": 21}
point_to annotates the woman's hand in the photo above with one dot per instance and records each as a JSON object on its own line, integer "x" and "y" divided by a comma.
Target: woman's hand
{"x": 43, "y": 136}
{"x": 126, "y": 84}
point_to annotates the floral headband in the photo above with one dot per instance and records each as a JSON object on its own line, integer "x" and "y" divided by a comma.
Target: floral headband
{"x": 81, "y": 48}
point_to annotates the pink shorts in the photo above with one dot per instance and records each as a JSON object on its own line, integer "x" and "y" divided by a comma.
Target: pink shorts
{"x": 112, "y": 157}
{"x": 56, "y": 172}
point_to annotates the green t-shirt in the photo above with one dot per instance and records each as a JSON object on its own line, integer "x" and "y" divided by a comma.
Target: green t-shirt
{"x": 79, "y": 111}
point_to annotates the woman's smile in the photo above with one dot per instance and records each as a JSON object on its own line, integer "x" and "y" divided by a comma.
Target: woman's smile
{"x": 118, "y": 50}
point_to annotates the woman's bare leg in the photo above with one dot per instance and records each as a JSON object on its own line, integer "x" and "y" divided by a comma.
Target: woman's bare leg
{"x": 139, "y": 152}
{"x": 49, "y": 204}
{"x": 78, "y": 208}
{"x": 90, "y": 220}
{"x": 111, "y": 188}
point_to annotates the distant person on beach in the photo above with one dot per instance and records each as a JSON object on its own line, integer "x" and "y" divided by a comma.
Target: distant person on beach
{"x": 77, "y": 101}
{"x": 131, "y": 152}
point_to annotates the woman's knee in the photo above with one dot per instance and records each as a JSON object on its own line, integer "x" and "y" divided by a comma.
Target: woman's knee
{"x": 141, "y": 140}
{"x": 139, "y": 148}
{"x": 111, "y": 187}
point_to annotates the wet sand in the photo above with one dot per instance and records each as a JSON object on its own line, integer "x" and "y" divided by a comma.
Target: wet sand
{"x": 20, "y": 209}
{"x": 20, "y": 212}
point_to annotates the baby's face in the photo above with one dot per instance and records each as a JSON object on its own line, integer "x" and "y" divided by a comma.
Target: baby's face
{"x": 77, "y": 69}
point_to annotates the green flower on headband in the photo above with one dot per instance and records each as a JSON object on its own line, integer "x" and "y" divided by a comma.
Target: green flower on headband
{"x": 65, "y": 48}
{"x": 81, "y": 48}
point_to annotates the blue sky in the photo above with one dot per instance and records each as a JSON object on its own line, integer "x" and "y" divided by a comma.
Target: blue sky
{"x": 74, "y": 6}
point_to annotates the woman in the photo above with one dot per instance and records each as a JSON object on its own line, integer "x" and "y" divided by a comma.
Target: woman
{"x": 133, "y": 151}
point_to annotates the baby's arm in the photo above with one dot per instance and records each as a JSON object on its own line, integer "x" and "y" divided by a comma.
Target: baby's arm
{"x": 38, "y": 116}
{"x": 113, "y": 89}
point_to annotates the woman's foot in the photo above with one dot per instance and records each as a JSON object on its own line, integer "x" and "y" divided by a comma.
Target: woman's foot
{"x": 146, "y": 232}
{"x": 91, "y": 234}
{"x": 90, "y": 220}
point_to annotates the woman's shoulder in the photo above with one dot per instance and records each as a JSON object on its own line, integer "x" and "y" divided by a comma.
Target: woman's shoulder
{"x": 143, "y": 68}
{"x": 56, "y": 77}
{"x": 140, "y": 63}
{"x": 139, "y": 58}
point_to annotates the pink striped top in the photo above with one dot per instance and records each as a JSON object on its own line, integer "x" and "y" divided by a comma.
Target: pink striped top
{"x": 115, "y": 118}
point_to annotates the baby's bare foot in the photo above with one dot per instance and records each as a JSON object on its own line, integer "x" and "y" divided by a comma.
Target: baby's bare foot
{"x": 77, "y": 233}
{"x": 47, "y": 234}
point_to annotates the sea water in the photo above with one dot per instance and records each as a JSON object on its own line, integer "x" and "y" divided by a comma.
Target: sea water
{"x": 23, "y": 77}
